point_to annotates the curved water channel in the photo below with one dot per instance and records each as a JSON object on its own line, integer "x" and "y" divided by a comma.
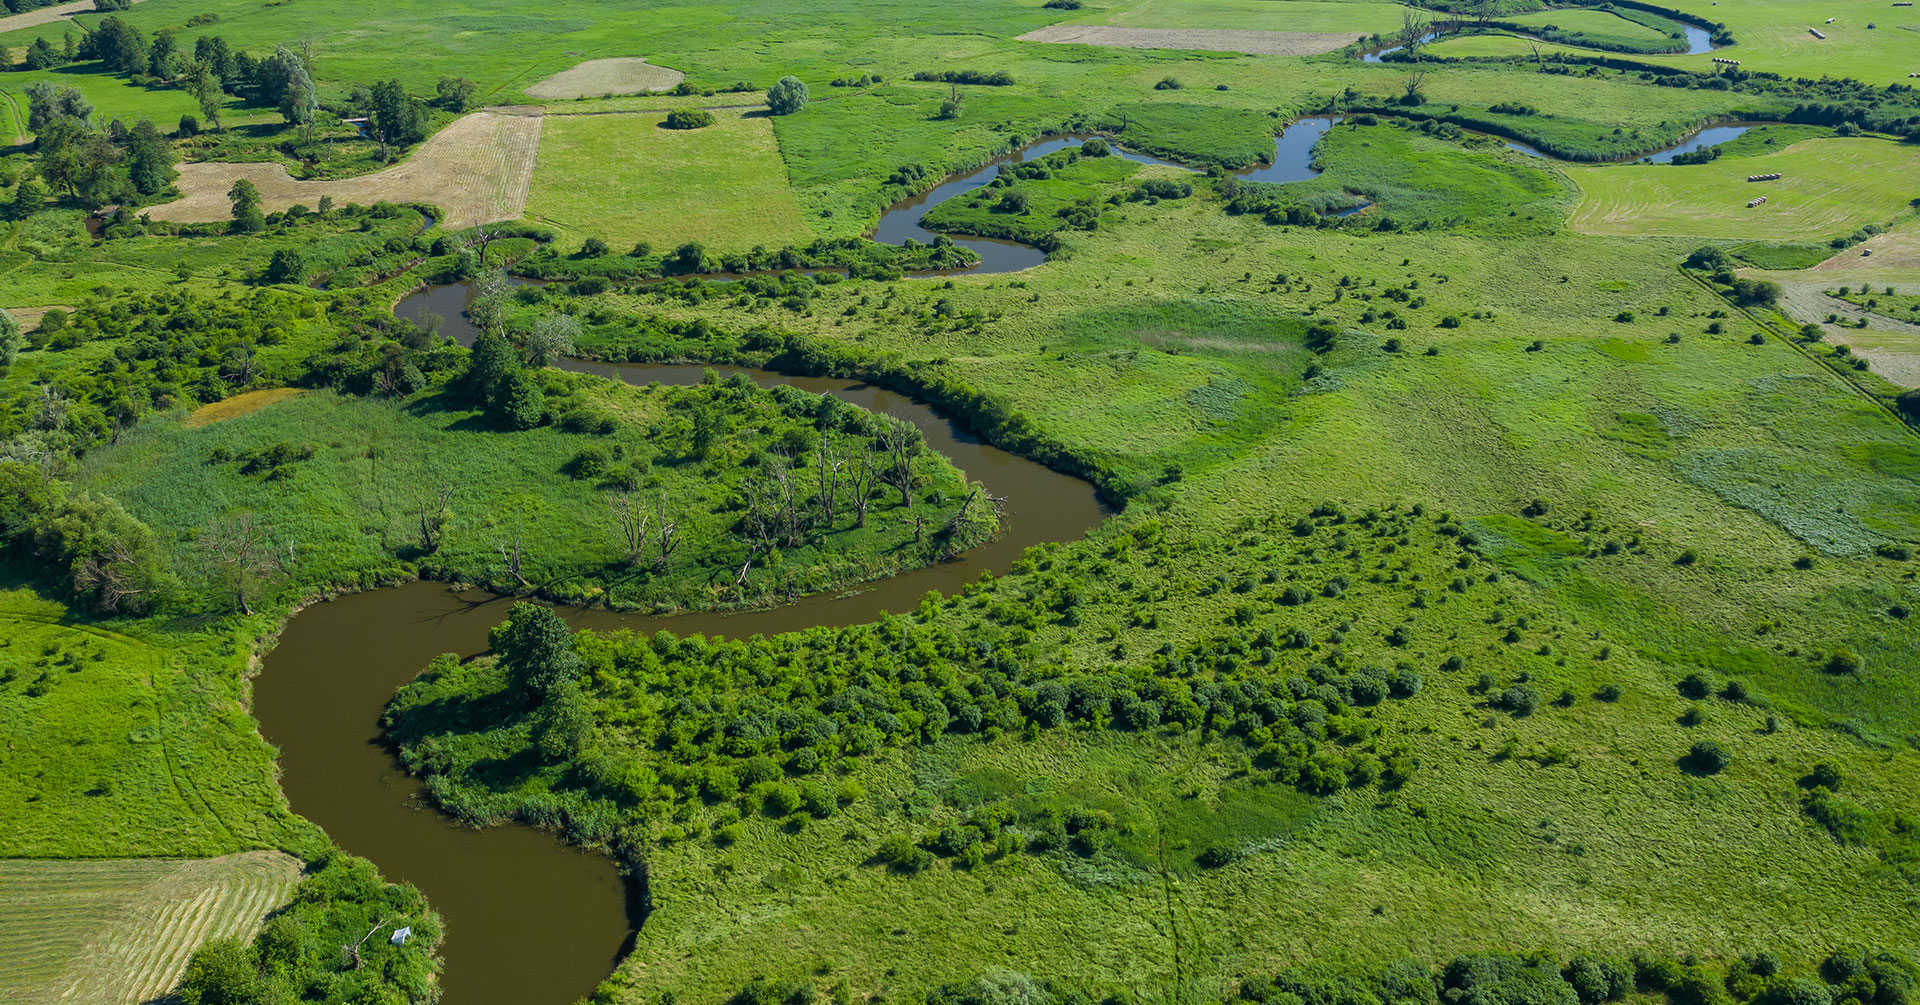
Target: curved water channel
{"x": 530, "y": 920}
{"x": 1699, "y": 40}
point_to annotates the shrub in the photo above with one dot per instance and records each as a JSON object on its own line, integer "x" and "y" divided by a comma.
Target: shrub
{"x": 1826, "y": 776}
{"x": 1168, "y": 84}
{"x": 787, "y": 96}
{"x": 1708, "y": 758}
{"x": 1842, "y": 661}
{"x": 593, "y": 247}
{"x": 691, "y": 118}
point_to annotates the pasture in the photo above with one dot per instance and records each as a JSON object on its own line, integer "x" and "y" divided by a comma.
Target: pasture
{"x": 1829, "y": 188}
{"x": 119, "y": 931}
{"x": 625, "y": 179}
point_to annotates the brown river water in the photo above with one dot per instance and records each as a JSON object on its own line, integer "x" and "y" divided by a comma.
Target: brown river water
{"x": 530, "y": 920}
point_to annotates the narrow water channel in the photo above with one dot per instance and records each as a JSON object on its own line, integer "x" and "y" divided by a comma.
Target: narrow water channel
{"x": 530, "y": 920}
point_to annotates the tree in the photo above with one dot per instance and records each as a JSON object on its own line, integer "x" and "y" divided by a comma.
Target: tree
{"x": 149, "y": 159}
{"x": 240, "y": 551}
{"x": 48, "y": 102}
{"x": 1413, "y": 31}
{"x": 287, "y": 265}
{"x": 28, "y": 197}
{"x": 551, "y": 338}
{"x": 41, "y": 55}
{"x": 688, "y": 118}
{"x": 488, "y": 365}
{"x": 787, "y": 96}
{"x": 1908, "y": 404}
{"x": 562, "y": 722}
{"x": 519, "y": 403}
{"x": 455, "y": 94}
{"x": 396, "y": 119}
{"x": 536, "y": 651}
{"x": 247, "y": 216}
{"x": 117, "y": 44}
{"x": 221, "y": 972}
{"x": 199, "y": 80}
{"x": 286, "y": 83}
{"x": 9, "y": 340}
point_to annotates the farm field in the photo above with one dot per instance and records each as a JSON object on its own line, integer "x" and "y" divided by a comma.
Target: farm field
{"x": 724, "y": 185}
{"x": 1829, "y": 187}
{"x": 1288, "y": 529}
{"x": 477, "y": 170}
{"x": 120, "y": 931}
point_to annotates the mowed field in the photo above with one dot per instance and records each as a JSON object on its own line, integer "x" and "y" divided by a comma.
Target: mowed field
{"x": 1830, "y": 187}
{"x": 1361, "y": 17}
{"x": 477, "y": 170}
{"x": 626, "y": 179}
{"x": 119, "y": 931}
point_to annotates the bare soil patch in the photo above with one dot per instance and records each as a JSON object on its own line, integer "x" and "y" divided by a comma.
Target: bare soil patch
{"x": 119, "y": 931}
{"x": 239, "y": 405}
{"x": 1890, "y": 346}
{"x": 15, "y": 22}
{"x": 29, "y": 317}
{"x": 596, "y": 77}
{"x": 477, "y": 170}
{"x": 1258, "y": 43}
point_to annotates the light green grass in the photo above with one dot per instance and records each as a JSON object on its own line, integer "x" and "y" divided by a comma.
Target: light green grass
{"x": 625, "y": 179}
{"x": 1592, "y": 22}
{"x": 1357, "y": 18}
{"x": 173, "y": 764}
{"x": 1829, "y": 188}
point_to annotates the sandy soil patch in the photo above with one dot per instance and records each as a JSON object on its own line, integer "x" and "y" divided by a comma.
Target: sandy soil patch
{"x": 239, "y": 405}
{"x": 1258, "y": 43}
{"x": 120, "y": 931}
{"x": 476, "y": 170}
{"x": 15, "y": 22}
{"x": 596, "y": 77}
{"x": 29, "y": 317}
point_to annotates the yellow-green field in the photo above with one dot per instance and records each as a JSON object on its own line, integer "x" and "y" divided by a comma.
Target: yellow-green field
{"x": 1829, "y": 188}
{"x": 626, "y": 179}
{"x": 1592, "y": 21}
{"x": 1359, "y": 17}
{"x": 120, "y": 930}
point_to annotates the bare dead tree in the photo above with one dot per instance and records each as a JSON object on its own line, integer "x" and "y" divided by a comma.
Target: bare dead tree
{"x": 632, "y": 523}
{"x": 900, "y": 440}
{"x": 827, "y": 466}
{"x": 510, "y": 556}
{"x": 1484, "y": 10}
{"x": 668, "y": 534}
{"x": 1539, "y": 58}
{"x": 1413, "y": 31}
{"x": 862, "y": 487}
{"x": 111, "y": 574}
{"x": 1416, "y": 78}
{"x": 242, "y": 551}
{"x": 434, "y": 517}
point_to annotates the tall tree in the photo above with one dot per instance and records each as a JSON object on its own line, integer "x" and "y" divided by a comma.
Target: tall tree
{"x": 200, "y": 80}
{"x": 247, "y": 215}
{"x": 395, "y": 118}
{"x": 787, "y": 96}
{"x": 47, "y": 101}
{"x": 149, "y": 159}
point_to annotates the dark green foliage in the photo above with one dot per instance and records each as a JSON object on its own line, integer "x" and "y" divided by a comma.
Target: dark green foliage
{"x": 988, "y": 78}
{"x": 287, "y": 265}
{"x": 688, "y": 118}
{"x": 332, "y": 944}
{"x": 787, "y": 96}
{"x": 536, "y": 651}
{"x": 1708, "y": 757}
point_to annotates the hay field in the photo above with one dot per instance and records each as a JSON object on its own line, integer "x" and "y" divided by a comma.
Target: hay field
{"x": 625, "y": 179}
{"x": 1831, "y": 187}
{"x": 119, "y": 931}
{"x": 477, "y": 170}
{"x": 47, "y": 15}
{"x": 1259, "y": 43}
{"x": 597, "y": 77}
{"x": 239, "y": 405}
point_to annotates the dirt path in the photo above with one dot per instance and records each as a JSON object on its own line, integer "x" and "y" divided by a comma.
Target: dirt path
{"x": 1257, "y": 43}
{"x": 477, "y": 170}
{"x": 46, "y": 15}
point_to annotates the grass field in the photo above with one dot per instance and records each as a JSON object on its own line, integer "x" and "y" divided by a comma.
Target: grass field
{"x": 597, "y": 77}
{"x": 119, "y": 931}
{"x": 625, "y": 179}
{"x": 174, "y": 765}
{"x": 1831, "y": 187}
{"x": 1363, "y": 17}
{"x": 1592, "y": 22}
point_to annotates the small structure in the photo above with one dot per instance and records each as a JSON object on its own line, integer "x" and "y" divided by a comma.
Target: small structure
{"x": 1729, "y": 62}
{"x": 1757, "y": 202}
{"x": 1764, "y": 177}
{"x": 1816, "y": 33}
{"x": 1829, "y": 21}
{"x": 400, "y": 936}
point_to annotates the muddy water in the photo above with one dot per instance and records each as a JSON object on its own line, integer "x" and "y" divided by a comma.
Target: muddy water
{"x": 530, "y": 920}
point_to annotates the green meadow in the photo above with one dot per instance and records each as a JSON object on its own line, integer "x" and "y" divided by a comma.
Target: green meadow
{"x": 1503, "y": 583}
